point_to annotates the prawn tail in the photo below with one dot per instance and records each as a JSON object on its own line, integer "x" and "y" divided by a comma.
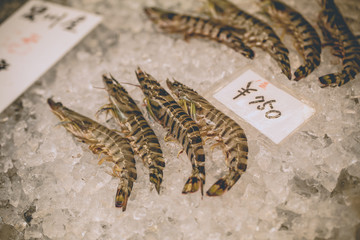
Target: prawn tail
{"x": 304, "y": 70}
{"x": 337, "y": 79}
{"x": 121, "y": 197}
{"x": 193, "y": 183}
{"x": 224, "y": 184}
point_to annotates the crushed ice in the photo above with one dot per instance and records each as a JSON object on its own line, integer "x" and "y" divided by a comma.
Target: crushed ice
{"x": 52, "y": 188}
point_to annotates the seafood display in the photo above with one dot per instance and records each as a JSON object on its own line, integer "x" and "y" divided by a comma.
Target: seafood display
{"x": 188, "y": 117}
{"x": 192, "y": 26}
{"x": 102, "y": 140}
{"x": 307, "y": 41}
{"x": 133, "y": 124}
{"x": 278, "y": 158}
{"x": 252, "y": 31}
{"x": 180, "y": 126}
{"x": 344, "y": 44}
{"x": 228, "y": 134}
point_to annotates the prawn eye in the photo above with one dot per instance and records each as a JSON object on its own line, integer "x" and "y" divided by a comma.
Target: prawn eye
{"x": 169, "y": 16}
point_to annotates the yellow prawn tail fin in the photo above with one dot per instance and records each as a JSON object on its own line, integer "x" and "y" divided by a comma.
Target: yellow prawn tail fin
{"x": 337, "y": 79}
{"x": 223, "y": 184}
{"x": 305, "y": 69}
{"x": 193, "y": 183}
{"x": 121, "y": 197}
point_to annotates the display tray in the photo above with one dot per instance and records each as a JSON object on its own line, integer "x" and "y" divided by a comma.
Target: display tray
{"x": 305, "y": 186}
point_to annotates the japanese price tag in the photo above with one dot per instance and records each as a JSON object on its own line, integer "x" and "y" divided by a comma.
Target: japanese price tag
{"x": 269, "y": 109}
{"x": 33, "y": 39}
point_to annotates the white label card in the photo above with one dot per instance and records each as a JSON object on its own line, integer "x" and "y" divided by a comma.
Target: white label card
{"x": 269, "y": 109}
{"x": 33, "y": 39}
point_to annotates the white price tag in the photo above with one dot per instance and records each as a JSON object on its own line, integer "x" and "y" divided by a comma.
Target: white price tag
{"x": 33, "y": 39}
{"x": 269, "y": 109}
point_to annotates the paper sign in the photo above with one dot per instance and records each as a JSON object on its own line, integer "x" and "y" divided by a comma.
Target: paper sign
{"x": 33, "y": 39}
{"x": 269, "y": 109}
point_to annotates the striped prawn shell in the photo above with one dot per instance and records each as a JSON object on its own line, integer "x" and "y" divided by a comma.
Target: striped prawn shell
{"x": 179, "y": 125}
{"x": 252, "y": 31}
{"x": 192, "y": 26}
{"x": 344, "y": 43}
{"x": 129, "y": 117}
{"x": 307, "y": 41}
{"x": 232, "y": 135}
{"x": 102, "y": 140}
